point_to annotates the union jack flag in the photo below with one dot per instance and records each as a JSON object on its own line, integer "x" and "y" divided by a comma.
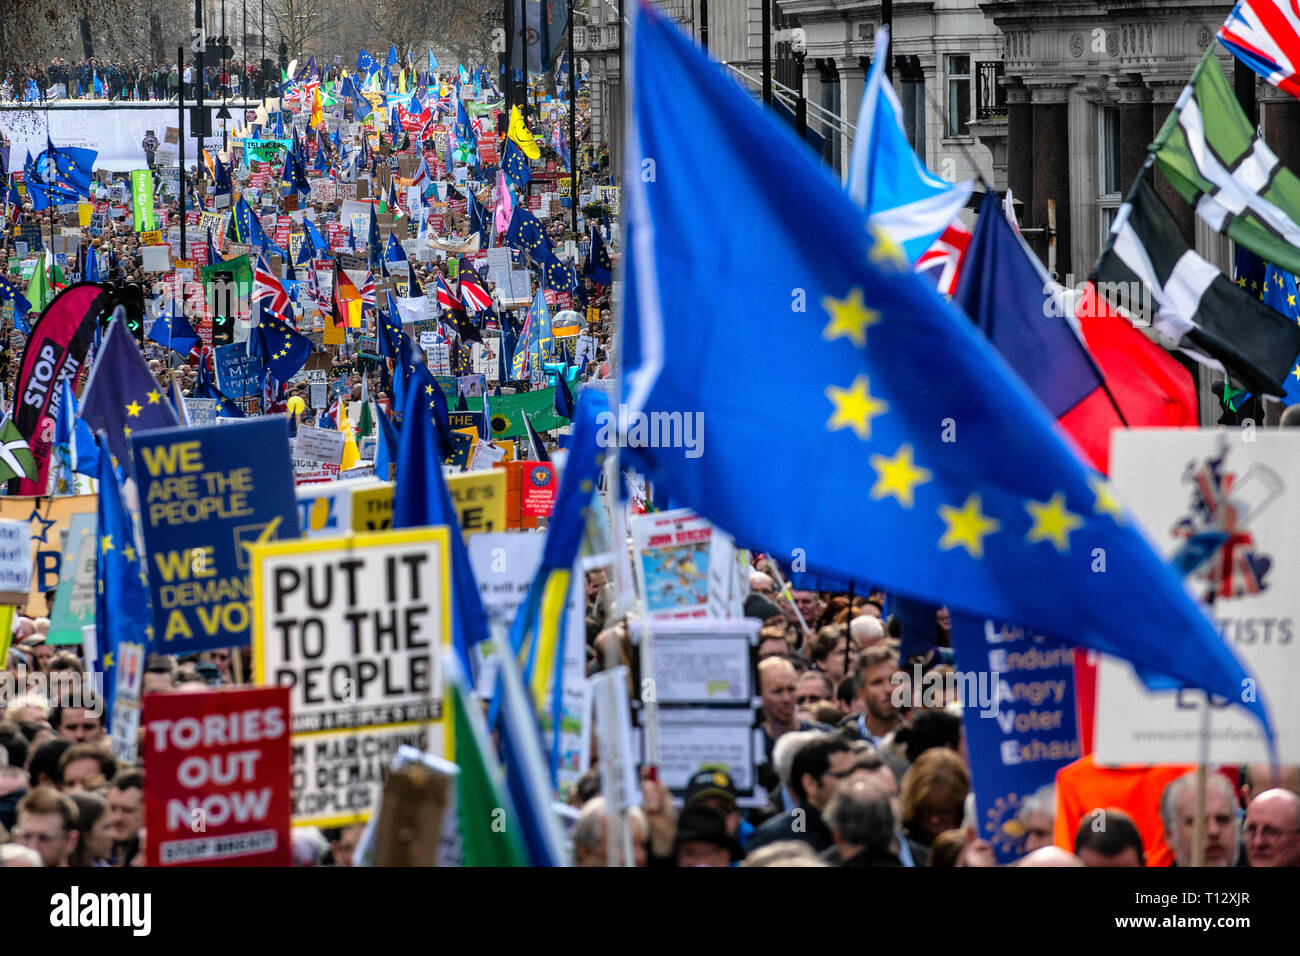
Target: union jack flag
{"x": 942, "y": 262}
{"x": 275, "y": 394}
{"x": 1265, "y": 35}
{"x": 368, "y": 291}
{"x": 1236, "y": 568}
{"x": 447, "y": 301}
{"x": 267, "y": 288}
{"x": 475, "y": 297}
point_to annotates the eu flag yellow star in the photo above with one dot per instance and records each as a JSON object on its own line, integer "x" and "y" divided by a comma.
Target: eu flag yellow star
{"x": 105, "y": 543}
{"x": 898, "y": 476}
{"x": 967, "y": 527}
{"x": 1105, "y": 500}
{"x": 885, "y": 249}
{"x": 133, "y": 409}
{"x": 155, "y": 397}
{"x": 1052, "y": 522}
{"x": 850, "y": 317}
{"x": 854, "y": 408}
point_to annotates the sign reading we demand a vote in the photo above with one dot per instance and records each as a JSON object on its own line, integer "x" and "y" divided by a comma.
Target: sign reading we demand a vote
{"x": 207, "y": 495}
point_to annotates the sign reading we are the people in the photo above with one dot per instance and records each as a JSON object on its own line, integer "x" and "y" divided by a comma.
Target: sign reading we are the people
{"x": 206, "y": 495}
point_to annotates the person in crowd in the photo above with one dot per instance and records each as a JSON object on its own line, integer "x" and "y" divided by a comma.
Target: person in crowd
{"x": 48, "y": 823}
{"x": 934, "y": 794}
{"x": 1178, "y": 812}
{"x": 589, "y": 846}
{"x": 95, "y": 830}
{"x": 1272, "y": 829}
{"x": 126, "y": 811}
{"x": 1109, "y": 837}
{"x": 815, "y": 772}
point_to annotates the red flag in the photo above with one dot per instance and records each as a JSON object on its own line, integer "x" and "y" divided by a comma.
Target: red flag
{"x": 1149, "y": 385}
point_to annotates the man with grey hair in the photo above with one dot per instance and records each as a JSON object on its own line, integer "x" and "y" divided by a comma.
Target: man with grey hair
{"x": 1272, "y": 830}
{"x": 1037, "y": 818}
{"x": 866, "y": 631}
{"x": 862, "y": 825}
{"x": 589, "y": 848}
{"x": 1178, "y": 814}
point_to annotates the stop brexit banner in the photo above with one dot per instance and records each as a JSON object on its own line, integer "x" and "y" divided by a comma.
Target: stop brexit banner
{"x": 60, "y": 339}
{"x": 217, "y": 790}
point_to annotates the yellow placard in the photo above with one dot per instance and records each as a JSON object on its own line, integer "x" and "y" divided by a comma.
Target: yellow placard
{"x": 84, "y": 210}
{"x": 480, "y": 500}
{"x": 151, "y": 238}
{"x": 372, "y": 507}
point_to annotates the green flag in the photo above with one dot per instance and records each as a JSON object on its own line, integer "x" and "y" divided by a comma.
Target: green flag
{"x": 507, "y": 412}
{"x": 236, "y": 286}
{"x": 16, "y": 460}
{"x": 39, "y": 291}
{"x": 1210, "y": 153}
{"x": 488, "y": 831}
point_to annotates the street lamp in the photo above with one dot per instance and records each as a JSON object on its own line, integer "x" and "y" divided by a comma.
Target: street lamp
{"x": 799, "y": 47}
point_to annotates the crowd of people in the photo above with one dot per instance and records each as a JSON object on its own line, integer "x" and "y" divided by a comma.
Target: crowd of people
{"x": 102, "y": 78}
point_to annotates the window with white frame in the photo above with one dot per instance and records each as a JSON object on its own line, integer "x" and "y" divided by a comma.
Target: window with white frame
{"x": 958, "y": 95}
{"x": 1109, "y": 184}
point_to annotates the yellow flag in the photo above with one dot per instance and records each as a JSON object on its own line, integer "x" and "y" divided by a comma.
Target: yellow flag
{"x": 317, "y": 111}
{"x": 401, "y": 82}
{"x": 6, "y": 631}
{"x": 520, "y": 135}
{"x": 350, "y": 454}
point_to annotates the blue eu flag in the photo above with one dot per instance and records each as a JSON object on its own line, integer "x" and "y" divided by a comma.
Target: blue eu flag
{"x": 921, "y": 433}
{"x": 284, "y": 349}
{"x": 421, "y": 498}
{"x": 121, "y": 396}
{"x": 122, "y": 609}
{"x": 1282, "y": 294}
{"x": 173, "y": 330}
{"x": 515, "y": 164}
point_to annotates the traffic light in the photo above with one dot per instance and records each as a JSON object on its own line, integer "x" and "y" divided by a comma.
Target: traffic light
{"x": 130, "y": 296}
{"x": 284, "y": 55}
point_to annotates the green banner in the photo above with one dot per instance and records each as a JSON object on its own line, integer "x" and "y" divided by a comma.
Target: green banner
{"x": 142, "y": 200}
{"x": 507, "y": 417}
{"x": 265, "y": 150}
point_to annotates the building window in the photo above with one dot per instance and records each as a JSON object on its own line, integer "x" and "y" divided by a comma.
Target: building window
{"x": 990, "y": 94}
{"x": 1109, "y": 183}
{"x": 580, "y": 37}
{"x": 958, "y": 95}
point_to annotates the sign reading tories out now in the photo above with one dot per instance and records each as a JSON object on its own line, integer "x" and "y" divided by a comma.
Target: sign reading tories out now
{"x": 355, "y": 626}
{"x": 1225, "y": 509}
{"x": 217, "y": 792}
{"x": 206, "y": 495}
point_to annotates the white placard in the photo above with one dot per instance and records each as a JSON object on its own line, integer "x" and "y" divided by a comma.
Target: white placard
{"x": 1164, "y": 475}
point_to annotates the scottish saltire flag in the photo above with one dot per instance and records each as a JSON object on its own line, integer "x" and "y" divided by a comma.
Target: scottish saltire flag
{"x": 122, "y": 609}
{"x": 1213, "y": 156}
{"x": 1282, "y": 294}
{"x": 888, "y": 179}
{"x": 1265, "y": 35}
{"x": 999, "y": 523}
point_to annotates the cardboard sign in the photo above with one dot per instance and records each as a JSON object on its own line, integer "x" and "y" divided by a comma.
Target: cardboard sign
{"x": 74, "y": 602}
{"x": 672, "y": 563}
{"x": 48, "y": 519}
{"x": 1186, "y": 487}
{"x": 217, "y": 791}
{"x": 480, "y": 500}
{"x": 324, "y": 445}
{"x": 239, "y": 374}
{"x": 206, "y": 495}
{"x": 537, "y": 491}
{"x": 355, "y": 626}
{"x": 345, "y": 506}
{"x": 15, "y": 561}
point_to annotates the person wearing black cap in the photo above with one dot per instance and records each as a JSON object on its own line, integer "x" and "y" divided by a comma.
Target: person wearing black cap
{"x": 713, "y": 787}
{"x": 703, "y": 838}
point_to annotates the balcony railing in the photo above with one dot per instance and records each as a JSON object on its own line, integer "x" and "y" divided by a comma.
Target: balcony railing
{"x": 990, "y": 94}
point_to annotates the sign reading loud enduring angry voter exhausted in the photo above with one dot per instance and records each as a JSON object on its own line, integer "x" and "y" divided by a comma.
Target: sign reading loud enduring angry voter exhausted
{"x": 217, "y": 791}
{"x": 355, "y": 625}
{"x": 207, "y": 495}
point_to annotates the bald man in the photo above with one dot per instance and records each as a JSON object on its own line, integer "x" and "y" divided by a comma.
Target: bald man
{"x": 1272, "y": 830}
{"x": 1050, "y": 856}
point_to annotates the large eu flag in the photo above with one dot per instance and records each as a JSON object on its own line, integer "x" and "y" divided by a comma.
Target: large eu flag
{"x": 121, "y": 395}
{"x": 911, "y": 456}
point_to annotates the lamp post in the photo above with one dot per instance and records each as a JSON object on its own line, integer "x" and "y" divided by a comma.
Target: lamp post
{"x": 799, "y": 47}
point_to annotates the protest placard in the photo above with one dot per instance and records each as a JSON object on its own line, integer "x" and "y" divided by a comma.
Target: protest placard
{"x": 74, "y": 601}
{"x": 126, "y": 701}
{"x": 479, "y": 500}
{"x": 217, "y": 791}
{"x": 672, "y": 562}
{"x": 365, "y": 674}
{"x": 15, "y": 561}
{"x": 1188, "y": 488}
{"x": 203, "y": 502}
{"x": 324, "y": 445}
{"x": 49, "y": 520}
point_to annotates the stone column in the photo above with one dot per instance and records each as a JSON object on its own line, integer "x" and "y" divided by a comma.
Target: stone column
{"x": 1281, "y": 115}
{"x": 1051, "y": 162}
{"x": 852, "y": 78}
